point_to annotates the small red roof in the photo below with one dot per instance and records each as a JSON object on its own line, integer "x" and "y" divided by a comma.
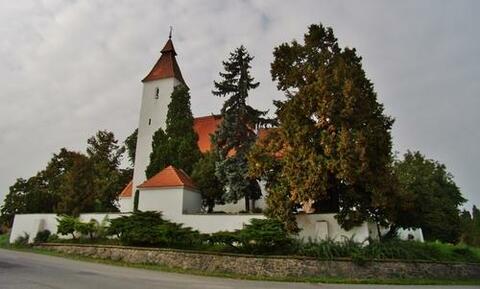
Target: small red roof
{"x": 169, "y": 177}
{"x": 204, "y": 127}
{"x": 166, "y": 65}
{"x": 127, "y": 191}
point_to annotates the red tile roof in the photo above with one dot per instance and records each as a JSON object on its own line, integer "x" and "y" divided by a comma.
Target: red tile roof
{"x": 205, "y": 126}
{"x": 166, "y": 66}
{"x": 169, "y": 177}
{"x": 127, "y": 191}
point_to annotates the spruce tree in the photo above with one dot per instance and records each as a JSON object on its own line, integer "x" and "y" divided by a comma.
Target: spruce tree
{"x": 177, "y": 144}
{"x": 333, "y": 145}
{"x": 236, "y": 134}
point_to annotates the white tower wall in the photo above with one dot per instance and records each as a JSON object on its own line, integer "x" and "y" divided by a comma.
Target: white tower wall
{"x": 153, "y": 115}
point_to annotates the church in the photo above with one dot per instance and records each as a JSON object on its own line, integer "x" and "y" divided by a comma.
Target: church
{"x": 172, "y": 192}
{"x": 158, "y": 86}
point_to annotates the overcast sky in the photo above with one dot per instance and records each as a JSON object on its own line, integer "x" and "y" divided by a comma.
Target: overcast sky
{"x": 70, "y": 68}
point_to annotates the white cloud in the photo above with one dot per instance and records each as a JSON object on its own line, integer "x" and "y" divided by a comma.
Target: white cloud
{"x": 70, "y": 68}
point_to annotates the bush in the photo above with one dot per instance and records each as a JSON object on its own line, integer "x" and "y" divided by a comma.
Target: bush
{"x": 86, "y": 229}
{"x": 22, "y": 240}
{"x": 53, "y": 238}
{"x": 42, "y": 236}
{"x": 261, "y": 236}
{"x": 150, "y": 229}
{"x": 394, "y": 249}
{"x": 66, "y": 225}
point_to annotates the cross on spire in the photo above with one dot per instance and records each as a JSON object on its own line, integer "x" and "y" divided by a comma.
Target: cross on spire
{"x": 170, "y": 34}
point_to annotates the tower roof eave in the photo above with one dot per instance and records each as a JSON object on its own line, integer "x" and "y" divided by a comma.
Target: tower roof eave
{"x": 166, "y": 66}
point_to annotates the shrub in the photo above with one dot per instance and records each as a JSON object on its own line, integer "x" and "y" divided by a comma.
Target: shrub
{"x": 66, "y": 225}
{"x": 150, "y": 229}
{"x": 229, "y": 239}
{"x": 86, "y": 229}
{"x": 42, "y": 236}
{"x": 22, "y": 240}
{"x": 261, "y": 236}
{"x": 265, "y": 236}
{"x": 53, "y": 238}
{"x": 101, "y": 229}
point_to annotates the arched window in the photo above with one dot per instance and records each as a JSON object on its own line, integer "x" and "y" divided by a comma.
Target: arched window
{"x": 157, "y": 93}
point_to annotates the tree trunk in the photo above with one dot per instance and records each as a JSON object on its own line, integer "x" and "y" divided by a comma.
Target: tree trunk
{"x": 247, "y": 204}
{"x": 378, "y": 232}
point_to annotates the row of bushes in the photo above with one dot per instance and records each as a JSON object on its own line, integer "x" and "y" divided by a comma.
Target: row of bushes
{"x": 261, "y": 236}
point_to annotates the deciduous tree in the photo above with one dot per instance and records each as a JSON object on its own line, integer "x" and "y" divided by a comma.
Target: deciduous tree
{"x": 432, "y": 198}
{"x": 207, "y": 182}
{"x": 332, "y": 135}
{"x": 105, "y": 156}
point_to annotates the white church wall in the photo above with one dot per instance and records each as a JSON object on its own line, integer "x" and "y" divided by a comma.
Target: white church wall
{"x": 153, "y": 114}
{"x": 192, "y": 201}
{"x": 166, "y": 200}
{"x": 125, "y": 204}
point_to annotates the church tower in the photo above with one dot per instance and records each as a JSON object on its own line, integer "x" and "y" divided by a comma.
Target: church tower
{"x": 157, "y": 89}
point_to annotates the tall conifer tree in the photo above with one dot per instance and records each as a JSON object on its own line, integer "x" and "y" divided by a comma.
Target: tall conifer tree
{"x": 177, "y": 145}
{"x": 236, "y": 134}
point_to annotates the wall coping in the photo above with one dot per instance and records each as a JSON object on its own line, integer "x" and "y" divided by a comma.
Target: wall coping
{"x": 294, "y": 257}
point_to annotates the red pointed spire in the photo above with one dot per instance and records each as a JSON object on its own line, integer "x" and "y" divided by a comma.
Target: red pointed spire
{"x": 166, "y": 66}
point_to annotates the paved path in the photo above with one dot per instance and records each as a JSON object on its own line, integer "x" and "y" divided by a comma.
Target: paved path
{"x": 19, "y": 270}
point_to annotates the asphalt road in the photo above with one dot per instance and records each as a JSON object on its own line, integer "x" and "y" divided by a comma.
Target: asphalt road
{"x": 19, "y": 270}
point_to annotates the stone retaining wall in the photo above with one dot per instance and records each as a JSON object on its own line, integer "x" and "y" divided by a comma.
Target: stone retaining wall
{"x": 273, "y": 266}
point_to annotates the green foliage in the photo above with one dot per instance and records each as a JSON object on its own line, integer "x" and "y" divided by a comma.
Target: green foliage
{"x": 265, "y": 235}
{"x": 131, "y": 146}
{"x": 22, "y": 240}
{"x": 430, "y": 198}
{"x": 76, "y": 188}
{"x": 261, "y": 236}
{"x": 332, "y": 146}
{"x": 136, "y": 198}
{"x": 150, "y": 229}
{"x": 177, "y": 145}
{"x": 72, "y": 182}
{"x": 66, "y": 225}
{"x": 42, "y": 236}
{"x": 87, "y": 229}
{"x": 207, "y": 182}
{"x": 105, "y": 156}
{"x": 236, "y": 133}
{"x": 394, "y": 249}
{"x": 470, "y": 227}
{"x": 53, "y": 238}
{"x": 34, "y": 195}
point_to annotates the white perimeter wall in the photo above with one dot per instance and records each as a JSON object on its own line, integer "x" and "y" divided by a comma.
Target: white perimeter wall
{"x": 31, "y": 224}
{"x": 314, "y": 226}
{"x": 325, "y": 226}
